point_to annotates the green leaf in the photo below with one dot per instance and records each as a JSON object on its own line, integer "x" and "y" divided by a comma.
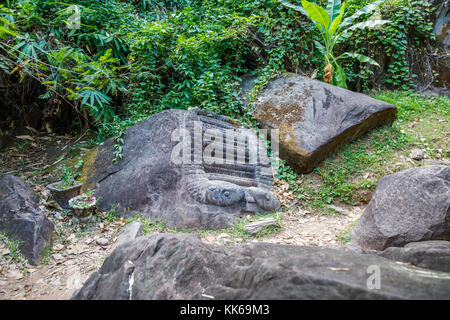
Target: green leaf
{"x": 4, "y": 30}
{"x": 367, "y": 9}
{"x": 320, "y": 47}
{"x": 49, "y": 82}
{"x": 339, "y": 78}
{"x": 333, "y": 9}
{"x": 344, "y": 36}
{"x": 336, "y": 22}
{"x": 317, "y": 14}
{"x": 361, "y": 58}
{"x": 369, "y": 24}
{"x": 293, "y": 6}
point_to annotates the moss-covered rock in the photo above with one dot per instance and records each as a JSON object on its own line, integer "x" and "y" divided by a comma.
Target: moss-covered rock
{"x": 315, "y": 118}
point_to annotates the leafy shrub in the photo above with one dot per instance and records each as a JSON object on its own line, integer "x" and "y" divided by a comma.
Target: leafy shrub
{"x": 334, "y": 29}
{"x": 395, "y": 46}
{"x": 131, "y": 59}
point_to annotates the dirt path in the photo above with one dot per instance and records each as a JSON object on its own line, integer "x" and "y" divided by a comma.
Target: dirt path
{"x": 302, "y": 228}
{"x": 69, "y": 266}
{"x": 64, "y": 270}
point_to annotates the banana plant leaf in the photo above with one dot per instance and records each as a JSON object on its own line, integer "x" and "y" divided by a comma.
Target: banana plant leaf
{"x": 333, "y": 9}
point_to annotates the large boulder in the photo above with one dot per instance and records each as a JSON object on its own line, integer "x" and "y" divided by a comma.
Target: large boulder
{"x": 315, "y": 118}
{"x": 440, "y": 60}
{"x": 432, "y": 254}
{"x": 408, "y": 206}
{"x": 21, "y": 219}
{"x": 171, "y": 266}
{"x": 169, "y": 172}
{"x": 441, "y": 19}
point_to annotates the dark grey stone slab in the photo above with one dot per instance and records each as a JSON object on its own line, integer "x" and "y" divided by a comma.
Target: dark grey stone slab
{"x": 21, "y": 219}
{"x": 174, "y": 266}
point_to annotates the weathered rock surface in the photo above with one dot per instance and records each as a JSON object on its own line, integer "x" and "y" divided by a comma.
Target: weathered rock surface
{"x": 129, "y": 232}
{"x": 103, "y": 242}
{"x": 408, "y": 206}
{"x": 314, "y": 118}
{"x": 187, "y": 191}
{"x": 417, "y": 154}
{"x": 247, "y": 84}
{"x": 441, "y": 59}
{"x": 168, "y": 266}
{"x": 346, "y": 248}
{"x": 21, "y": 219}
{"x": 441, "y": 19}
{"x": 432, "y": 254}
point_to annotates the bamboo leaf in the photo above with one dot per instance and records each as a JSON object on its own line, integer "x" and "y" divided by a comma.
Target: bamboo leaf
{"x": 4, "y": 30}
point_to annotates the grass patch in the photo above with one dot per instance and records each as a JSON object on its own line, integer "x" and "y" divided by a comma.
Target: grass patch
{"x": 22, "y": 145}
{"x": 237, "y": 231}
{"x": 344, "y": 237}
{"x": 46, "y": 254}
{"x": 112, "y": 214}
{"x": 13, "y": 248}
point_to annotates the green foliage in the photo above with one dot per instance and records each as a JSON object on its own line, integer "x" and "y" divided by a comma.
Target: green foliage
{"x": 344, "y": 237}
{"x": 118, "y": 147}
{"x": 191, "y": 60}
{"x": 355, "y": 5}
{"x": 287, "y": 174}
{"x": 84, "y": 67}
{"x": 14, "y": 249}
{"x": 6, "y": 27}
{"x": 409, "y": 31}
{"x": 86, "y": 200}
{"x": 132, "y": 59}
{"x": 354, "y": 160}
{"x": 112, "y": 214}
{"x": 68, "y": 175}
{"x": 413, "y": 105}
{"x": 334, "y": 30}
{"x": 98, "y": 79}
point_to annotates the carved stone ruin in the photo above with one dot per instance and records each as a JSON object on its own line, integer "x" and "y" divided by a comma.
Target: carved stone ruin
{"x": 190, "y": 169}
